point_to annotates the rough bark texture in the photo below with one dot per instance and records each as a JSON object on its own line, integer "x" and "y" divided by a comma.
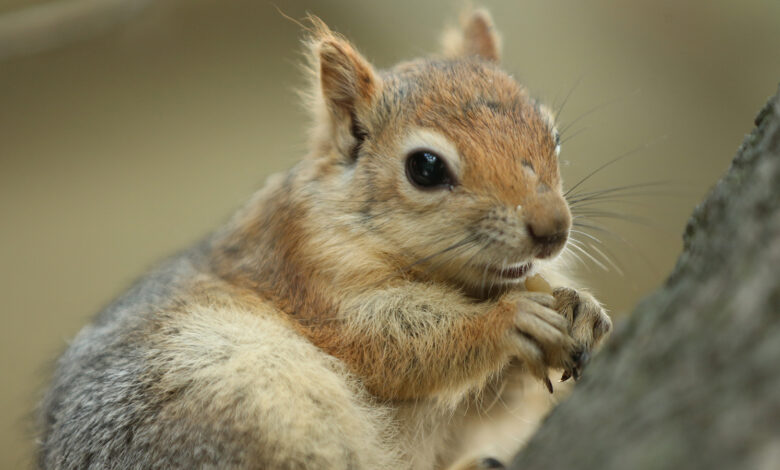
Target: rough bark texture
{"x": 692, "y": 379}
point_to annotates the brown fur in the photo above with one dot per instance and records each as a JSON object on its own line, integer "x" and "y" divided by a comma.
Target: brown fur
{"x": 344, "y": 281}
{"x": 330, "y": 254}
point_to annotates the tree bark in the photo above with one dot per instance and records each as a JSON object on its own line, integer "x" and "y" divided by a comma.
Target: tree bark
{"x": 692, "y": 379}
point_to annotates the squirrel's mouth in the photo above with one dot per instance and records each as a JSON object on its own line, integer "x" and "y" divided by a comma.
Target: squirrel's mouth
{"x": 512, "y": 272}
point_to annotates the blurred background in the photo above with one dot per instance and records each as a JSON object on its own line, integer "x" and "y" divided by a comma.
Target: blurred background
{"x": 130, "y": 129}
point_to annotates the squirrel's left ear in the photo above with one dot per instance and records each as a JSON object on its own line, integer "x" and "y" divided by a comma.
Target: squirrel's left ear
{"x": 476, "y": 37}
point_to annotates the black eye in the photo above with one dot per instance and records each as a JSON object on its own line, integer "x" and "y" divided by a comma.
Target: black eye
{"x": 425, "y": 169}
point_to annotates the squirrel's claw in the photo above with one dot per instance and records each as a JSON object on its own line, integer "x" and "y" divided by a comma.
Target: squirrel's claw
{"x": 548, "y": 384}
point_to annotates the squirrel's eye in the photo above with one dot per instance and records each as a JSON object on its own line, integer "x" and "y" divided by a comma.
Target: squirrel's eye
{"x": 425, "y": 169}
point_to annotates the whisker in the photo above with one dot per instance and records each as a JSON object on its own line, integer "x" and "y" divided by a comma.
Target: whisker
{"x": 477, "y": 253}
{"x": 575, "y": 244}
{"x": 618, "y": 237}
{"x": 594, "y": 226}
{"x": 465, "y": 241}
{"x": 573, "y": 135}
{"x": 568, "y": 95}
{"x": 587, "y": 235}
{"x": 595, "y": 109}
{"x": 610, "y": 162}
{"x": 606, "y": 258}
{"x": 616, "y": 190}
{"x": 493, "y": 279}
{"x": 575, "y": 255}
{"x": 602, "y": 214}
{"x": 442, "y": 263}
{"x": 612, "y": 200}
{"x": 609, "y": 257}
{"x": 485, "y": 270}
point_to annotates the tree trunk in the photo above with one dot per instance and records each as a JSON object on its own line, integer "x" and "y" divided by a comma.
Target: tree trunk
{"x": 692, "y": 379}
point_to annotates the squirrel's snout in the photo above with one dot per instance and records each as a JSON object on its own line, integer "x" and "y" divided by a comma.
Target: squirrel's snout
{"x": 547, "y": 244}
{"x": 549, "y": 233}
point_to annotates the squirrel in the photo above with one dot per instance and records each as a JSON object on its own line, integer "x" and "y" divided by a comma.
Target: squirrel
{"x": 363, "y": 307}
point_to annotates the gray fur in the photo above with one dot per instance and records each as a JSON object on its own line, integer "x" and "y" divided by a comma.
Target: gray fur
{"x": 107, "y": 406}
{"x": 99, "y": 412}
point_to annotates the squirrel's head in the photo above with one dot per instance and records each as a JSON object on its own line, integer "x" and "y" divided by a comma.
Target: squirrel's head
{"x": 446, "y": 161}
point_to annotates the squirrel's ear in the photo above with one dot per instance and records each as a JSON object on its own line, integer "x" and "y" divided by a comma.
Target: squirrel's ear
{"x": 476, "y": 36}
{"x": 348, "y": 81}
{"x": 346, "y": 87}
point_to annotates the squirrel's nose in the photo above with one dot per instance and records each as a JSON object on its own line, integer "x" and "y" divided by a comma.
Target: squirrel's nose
{"x": 548, "y": 234}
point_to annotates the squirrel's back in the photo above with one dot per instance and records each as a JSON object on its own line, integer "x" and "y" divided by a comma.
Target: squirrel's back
{"x": 184, "y": 371}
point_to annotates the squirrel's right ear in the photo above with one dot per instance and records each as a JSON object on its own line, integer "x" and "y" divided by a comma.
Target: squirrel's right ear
{"x": 476, "y": 37}
{"x": 346, "y": 87}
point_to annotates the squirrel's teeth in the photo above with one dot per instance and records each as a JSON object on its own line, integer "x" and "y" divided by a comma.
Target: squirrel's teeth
{"x": 514, "y": 272}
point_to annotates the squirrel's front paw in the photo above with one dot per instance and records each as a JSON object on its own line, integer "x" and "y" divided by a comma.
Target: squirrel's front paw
{"x": 542, "y": 336}
{"x": 588, "y": 323}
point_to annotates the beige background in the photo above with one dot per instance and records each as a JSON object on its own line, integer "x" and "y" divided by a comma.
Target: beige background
{"x": 125, "y": 146}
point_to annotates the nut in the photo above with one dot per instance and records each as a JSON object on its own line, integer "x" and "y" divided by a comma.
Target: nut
{"x": 537, "y": 283}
